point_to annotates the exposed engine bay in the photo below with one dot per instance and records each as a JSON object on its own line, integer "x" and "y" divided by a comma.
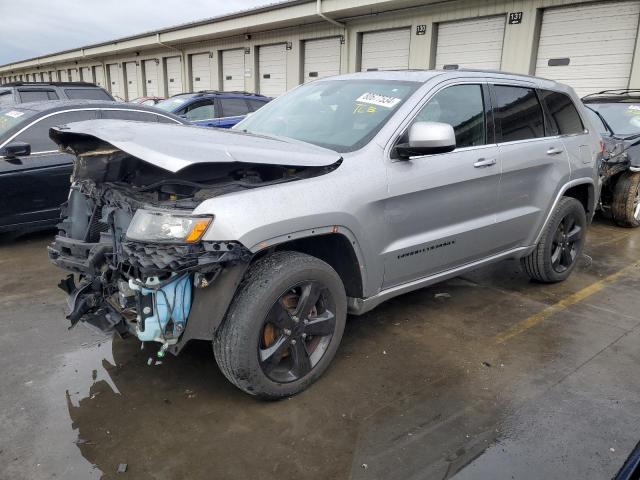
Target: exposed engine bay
{"x": 148, "y": 287}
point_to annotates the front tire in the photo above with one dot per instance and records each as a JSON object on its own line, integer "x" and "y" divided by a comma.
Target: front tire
{"x": 283, "y": 327}
{"x": 561, "y": 244}
{"x": 625, "y": 207}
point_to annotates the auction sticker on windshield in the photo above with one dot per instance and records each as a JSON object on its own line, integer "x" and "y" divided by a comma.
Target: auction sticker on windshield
{"x": 14, "y": 114}
{"x": 379, "y": 100}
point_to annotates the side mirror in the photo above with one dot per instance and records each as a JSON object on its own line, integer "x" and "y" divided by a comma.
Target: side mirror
{"x": 15, "y": 149}
{"x": 427, "y": 138}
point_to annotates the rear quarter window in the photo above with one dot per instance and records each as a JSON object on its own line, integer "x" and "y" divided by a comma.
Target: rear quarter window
{"x": 87, "y": 94}
{"x": 564, "y": 117}
{"x": 519, "y": 113}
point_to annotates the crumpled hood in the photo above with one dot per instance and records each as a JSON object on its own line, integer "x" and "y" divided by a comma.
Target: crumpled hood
{"x": 174, "y": 147}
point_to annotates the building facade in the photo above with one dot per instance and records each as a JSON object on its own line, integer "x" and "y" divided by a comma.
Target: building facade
{"x": 591, "y": 45}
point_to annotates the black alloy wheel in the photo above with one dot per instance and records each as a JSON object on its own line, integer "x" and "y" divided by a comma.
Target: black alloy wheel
{"x": 296, "y": 332}
{"x": 567, "y": 242}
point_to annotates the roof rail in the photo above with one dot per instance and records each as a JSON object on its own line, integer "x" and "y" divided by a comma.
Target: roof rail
{"x": 615, "y": 91}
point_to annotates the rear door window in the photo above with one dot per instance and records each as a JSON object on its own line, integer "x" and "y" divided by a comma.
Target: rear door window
{"x": 462, "y": 107}
{"x": 256, "y": 104}
{"x": 563, "y": 118}
{"x": 37, "y": 135}
{"x": 518, "y": 113}
{"x": 199, "y": 111}
{"x": 37, "y": 95}
{"x": 234, "y": 107}
{"x": 87, "y": 94}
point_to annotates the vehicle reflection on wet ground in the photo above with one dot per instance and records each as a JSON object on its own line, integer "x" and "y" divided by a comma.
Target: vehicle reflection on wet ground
{"x": 484, "y": 376}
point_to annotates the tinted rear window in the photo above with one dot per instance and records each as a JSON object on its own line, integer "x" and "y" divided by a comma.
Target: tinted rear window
{"x": 519, "y": 113}
{"x": 87, "y": 93}
{"x": 564, "y": 116}
{"x": 37, "y": 95}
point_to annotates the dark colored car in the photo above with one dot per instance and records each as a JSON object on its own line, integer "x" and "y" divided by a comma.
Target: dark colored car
{"x": 150, "y": 101}
{"x": 23, "y": 92}
{"x": 34, "y": 175}
{"x": 616, "y": 114}
{"x": 213, "y": 108}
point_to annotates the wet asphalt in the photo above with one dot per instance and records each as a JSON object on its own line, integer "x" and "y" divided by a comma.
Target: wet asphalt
{"x": 486, "y": 376}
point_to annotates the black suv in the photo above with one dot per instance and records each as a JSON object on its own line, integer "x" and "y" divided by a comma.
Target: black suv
{"x": 23, "y": 92}
{"x": 616, "y": 114}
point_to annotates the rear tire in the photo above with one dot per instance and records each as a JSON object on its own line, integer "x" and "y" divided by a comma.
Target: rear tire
{"x": 561, "y": 243}
{"x": 283, "y": 326}
{"x": 625, "y": 207}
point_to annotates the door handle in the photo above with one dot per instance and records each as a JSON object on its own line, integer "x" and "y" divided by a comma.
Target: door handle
{"x": 484, "y": 162}
{"x": 554, "y": 151}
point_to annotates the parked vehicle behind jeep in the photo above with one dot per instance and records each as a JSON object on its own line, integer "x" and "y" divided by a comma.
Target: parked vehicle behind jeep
{"x": 25, "y": 92}
{"x": 34, "y": 175}
{"x": 333, "y": 198}
{"x": 616, "y": 114}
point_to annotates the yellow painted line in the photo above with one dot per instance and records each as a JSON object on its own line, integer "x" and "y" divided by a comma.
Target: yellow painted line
{"x": 565, "y": 303}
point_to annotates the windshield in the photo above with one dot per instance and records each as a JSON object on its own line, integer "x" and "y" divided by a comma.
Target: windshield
{"x": 10, "y": 117}
{"x": 622, "y": 117}
{"x": 342, "y": 115}
{"x": 173, "y": 103}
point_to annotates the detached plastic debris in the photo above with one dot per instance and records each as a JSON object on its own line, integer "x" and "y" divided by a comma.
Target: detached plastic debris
{"x": 122, "y": 468}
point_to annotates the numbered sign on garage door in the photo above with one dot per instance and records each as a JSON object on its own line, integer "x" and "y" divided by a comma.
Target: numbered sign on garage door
{"x": 98, "y": 74}
{"x": 233, "y": 70}
{"x": 131, "y": 73}
{"x": 321, "y": 58}
{"x": 272, "y": 70}
{"x": 174, "y": 75}
{"x": 200, "y": 72}
{"x": 385, "y": 50}
{"x": 85, "y": 74}
{"x": 151, "y": 78}
{"x": 473, "y": 43}
{"x": 114, "y": 80}
{"x": 589, "y": 47}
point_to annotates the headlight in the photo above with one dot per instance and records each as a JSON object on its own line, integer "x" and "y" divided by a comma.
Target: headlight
{"x": 151, "y": 226}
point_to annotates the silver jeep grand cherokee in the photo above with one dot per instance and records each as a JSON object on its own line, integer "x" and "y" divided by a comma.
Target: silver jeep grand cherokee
{"x": 341, "y": 194}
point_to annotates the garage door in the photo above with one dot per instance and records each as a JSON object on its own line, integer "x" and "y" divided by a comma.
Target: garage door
{"x": 321, "y": 58}
{"x": 85, "y": 74}
{"x": 98, "y": 74}
{"x": 62, "y": 76}
{"x": 174, "y": 75}
{"x": 131, "y": 73}
{"x": 114, "y": 80}
{"x": 589, "y": 47}
{"x": 233, "y": 70}
{"x": 151, "y": 78}
{"x": 386, "y": 50}
{"x": 272, "y": 70}
{"x": 474, "y": 43}
{"x": 200, "y": 72}
{"x": 74, "y": 74}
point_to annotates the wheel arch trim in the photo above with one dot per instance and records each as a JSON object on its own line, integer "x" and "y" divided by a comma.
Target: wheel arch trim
{"x": 573, "y": 183}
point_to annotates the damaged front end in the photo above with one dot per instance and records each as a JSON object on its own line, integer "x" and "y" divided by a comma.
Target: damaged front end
{"x": 138, "y": 263}
{"x": 139, "y": 287}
